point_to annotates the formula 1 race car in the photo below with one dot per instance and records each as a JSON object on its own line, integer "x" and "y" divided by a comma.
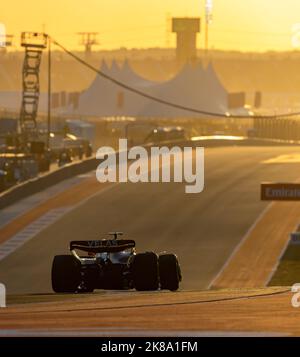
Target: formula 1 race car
{"x": 113, "y": 264}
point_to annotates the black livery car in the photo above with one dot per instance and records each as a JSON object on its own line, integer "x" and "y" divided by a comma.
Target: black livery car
{"x": 113, "y": 264}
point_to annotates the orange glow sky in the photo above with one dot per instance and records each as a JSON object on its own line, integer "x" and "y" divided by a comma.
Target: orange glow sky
{"x": 255, "y": 25}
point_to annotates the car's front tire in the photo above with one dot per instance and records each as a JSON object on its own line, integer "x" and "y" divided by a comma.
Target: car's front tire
{"x": 145, "y": 272}
{"x": 65, "y": 274}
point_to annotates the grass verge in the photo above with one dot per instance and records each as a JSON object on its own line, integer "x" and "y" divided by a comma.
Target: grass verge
{"x": 288, "y": 270}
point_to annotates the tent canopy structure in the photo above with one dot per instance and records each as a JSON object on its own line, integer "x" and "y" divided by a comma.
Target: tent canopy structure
{"x": 193, "y": 87}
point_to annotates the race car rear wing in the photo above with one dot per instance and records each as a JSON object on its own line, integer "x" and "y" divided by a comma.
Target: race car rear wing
{"x": 102, "y": 246}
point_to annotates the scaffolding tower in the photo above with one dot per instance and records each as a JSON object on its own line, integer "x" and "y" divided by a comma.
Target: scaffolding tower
{"x": 34, "y": 44}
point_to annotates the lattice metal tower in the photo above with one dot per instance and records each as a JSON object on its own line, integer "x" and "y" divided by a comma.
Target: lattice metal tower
{"x": 34, "y": 44}
{"x": 88, "y": 39}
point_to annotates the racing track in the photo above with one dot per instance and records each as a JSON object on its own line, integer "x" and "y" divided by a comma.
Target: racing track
{"x": 203, "y": 229}
{"x": 254, "y": 312}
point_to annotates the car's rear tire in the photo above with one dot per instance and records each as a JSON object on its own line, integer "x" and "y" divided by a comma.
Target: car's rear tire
{"x": 145, "y": 272}
{"x": 169, "y": 272}
{"x": 65, "y": 274}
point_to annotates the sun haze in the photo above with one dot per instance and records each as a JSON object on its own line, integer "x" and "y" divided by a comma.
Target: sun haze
{"x": 255, "y": 25}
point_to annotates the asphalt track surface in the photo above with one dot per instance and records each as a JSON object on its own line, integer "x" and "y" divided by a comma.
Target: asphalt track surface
{"x": 247, "y": 312}
{"x": 202, "y": 229}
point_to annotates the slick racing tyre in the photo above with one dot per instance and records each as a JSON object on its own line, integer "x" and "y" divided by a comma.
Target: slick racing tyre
{"x": 65, "y": 274}
{"x": 169, "y": 272}
{"x": 145, "y": 272}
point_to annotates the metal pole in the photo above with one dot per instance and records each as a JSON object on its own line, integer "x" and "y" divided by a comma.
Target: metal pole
{"x": 206, "y": 37}
{"x": 49, "y": 94}
{"x": 208, "y": 19}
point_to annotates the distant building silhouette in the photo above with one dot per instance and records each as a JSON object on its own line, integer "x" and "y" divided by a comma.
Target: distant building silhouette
{"x": 186, "y": 30}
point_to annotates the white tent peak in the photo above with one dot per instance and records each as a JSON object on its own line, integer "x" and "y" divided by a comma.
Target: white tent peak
{"x": 129, "y": 75}
{"x": 193, "y": 86}
{"x": 125, "y": 65}
{"x": 213, "y": 77}
{"x": 115, "y": 68}
{"x": 104, "y": 67}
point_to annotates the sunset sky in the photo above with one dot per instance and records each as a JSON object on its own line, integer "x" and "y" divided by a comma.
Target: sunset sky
{"x": 255, "y": 25}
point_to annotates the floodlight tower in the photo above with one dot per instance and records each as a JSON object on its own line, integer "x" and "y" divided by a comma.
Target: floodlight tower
{"x": 208, "y": 21}
{"x": 34, "y": 44}
{"x": 88, "y": 39}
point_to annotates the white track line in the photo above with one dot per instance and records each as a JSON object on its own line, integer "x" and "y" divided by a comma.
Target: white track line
{"x": 237, "y": 248}
{"x": 34, "y": 228}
